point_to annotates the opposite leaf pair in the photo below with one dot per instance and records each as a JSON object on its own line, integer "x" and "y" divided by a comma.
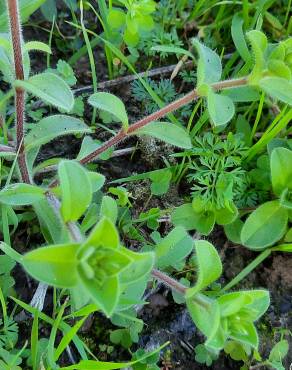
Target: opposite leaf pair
{"x": 98, "y": 267}
{"x": 272, "y": 71}
{"x": 220, "y": 107}
{"x": 228, "y": 317}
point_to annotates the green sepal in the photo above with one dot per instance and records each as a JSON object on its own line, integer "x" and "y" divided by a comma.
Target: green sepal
{"x": 244, "y": 332}
{"x": 106, "y": 296}
{"x": 104, "y": 234}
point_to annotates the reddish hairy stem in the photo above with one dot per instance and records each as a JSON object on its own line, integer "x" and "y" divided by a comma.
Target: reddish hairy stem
{"x": 13, "y": 11}
{"x": 191, "y": 96}
{"x": 122, "y": 134}
{"x": 16, "y": 37}
{"x": 169, "y": 281}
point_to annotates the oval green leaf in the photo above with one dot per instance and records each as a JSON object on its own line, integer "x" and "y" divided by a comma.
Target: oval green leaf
{"x": 220, "y": 107}
{"x": 209, "y": 266}
{"x": 111, "y": 104}
{"x": 38, "y": 46}
{"x": 21, "y": 194}
{"x": 278, "y": 88}
{"x": 54, "y": 265}
{"x": 281, "y": 170}
{"x": 265, "y": 226}
{"x": 51, "y": 127}
{"x": 50, "y": 88}
{"x": 76, "y": 190}
{"x": 167, "y": 132}
{"x": 209, "y": 64}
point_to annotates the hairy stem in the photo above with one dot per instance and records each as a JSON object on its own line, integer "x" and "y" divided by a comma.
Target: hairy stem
{"x": 186, "y": 99}
{"x": 16, "y": 38}
{"x": 176, "y": 285}
{"x": 169, "y": 281}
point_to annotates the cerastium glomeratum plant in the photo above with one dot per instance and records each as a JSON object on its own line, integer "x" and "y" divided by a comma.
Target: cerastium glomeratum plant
{"x": 94, "y": 265}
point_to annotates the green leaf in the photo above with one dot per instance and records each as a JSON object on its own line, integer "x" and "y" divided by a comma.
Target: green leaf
{"x": 281, "y": 170}
{"x": 238, "y": 37}
{"x": 132, "y": 23}
{"x": 111, "y": 104}
{"x": 116, "y": 18}
{"x": 206, "y": 315}
{"x": 37, "y": 45}
{"x": 131, "y": 38}
{"x": 232, "y": 303}
{"x": 21, "y": 194}
{"x": 209, "y": 64}
{"x": 66, "y": 72}
{"x": 89, "y": 145}
{"x": 12, "y": 253}
{"x": 259, "y": 43}
{"x": 49, "y": 10}
{"x": 226, "y": 215}
{"x": 146, "y": 22}
{"x": 260, "y": 301}
{"x": 55, "y": 265}
{"x": 278, "y": 68}
{"x": 283, "y": 248}
{"x": 237, "y": 351}
{"x": 265, "y": 226}
{"x": 167, "y": 132}
{"x": 160, "y": 181}
{"x": 288, "y": 236}
{"x": 233, "y": 231}
{"x": 279, "y": 351}
{"x": 141, "y": 266}
{"x": 242, "y": 94}
{"x": 76, "y": 190}
{"x": 105, "y": 296}
{"x": 286, "y": 199}
{"x": 220, "y": 107}
{"x": 97, "y": 180}
{"x": 50, "y": 88}
{"x": 278, "y": 88}
{"x": 183, "y": 215}
{"x": 109, "y": 208}
{"x": 176, "y": 246}
{"x": 51, "y": 127}
{"x": 245, "y": 332}
{"x": 243, "y": 128}
{"x": 131, "y": 294}
{"x": 52, "y": 228}
{"x": 99, "y": 264}
{"x": 209, "y": 266}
